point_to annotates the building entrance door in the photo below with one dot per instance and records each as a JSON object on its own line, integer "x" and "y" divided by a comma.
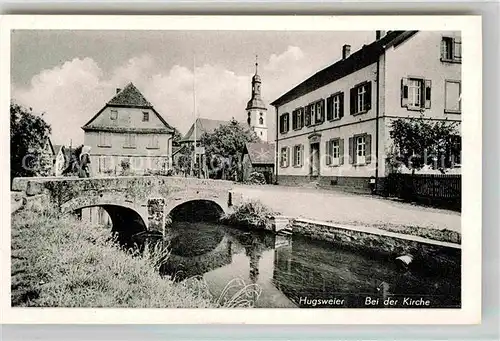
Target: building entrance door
{"x": 314, "y": 160}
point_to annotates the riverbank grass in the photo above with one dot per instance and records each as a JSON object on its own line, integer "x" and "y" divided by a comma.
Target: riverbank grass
{"x": 63, "y": 262}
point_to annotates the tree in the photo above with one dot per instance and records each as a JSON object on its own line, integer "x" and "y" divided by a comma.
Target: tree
{"x": 184, "y": 161}
{"x": 224, "y": 147}
{"x": 419, "y": 142}
{"x": 72, "y": 161}
{"x": 177, "y": 137}
{"x": 29, "y": 134}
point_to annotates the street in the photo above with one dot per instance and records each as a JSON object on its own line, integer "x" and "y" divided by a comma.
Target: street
{"x": 347, "y": 208}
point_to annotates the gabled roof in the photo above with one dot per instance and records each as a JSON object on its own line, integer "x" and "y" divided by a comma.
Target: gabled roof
{"x": 129, "y": 96}
{"x": 51, "y": 146}
{"x": 203, "y": 125}
{"x": 365, "y": 56}
{"x": 176, "y": 149}
{"x": 260, "y": 153}
{"x": 57, "y": 148}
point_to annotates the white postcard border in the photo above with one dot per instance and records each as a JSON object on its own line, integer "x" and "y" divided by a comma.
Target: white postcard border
{"x": 470, "y": 313}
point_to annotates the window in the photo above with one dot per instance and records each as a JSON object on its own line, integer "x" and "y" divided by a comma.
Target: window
{"x": 298, "y": 119}
{"x": 361, "y": 98}
{"x": 452, "y": 96}
{"x": 129, "y": 141}
{"x": 104, "y": 139}
{"x": 297, "y": 155}
{"x": 153, "y": 142}
{"x": 451, "y": 49}
{"x": 145, "y": 116}
{"x": 114, "y": 114}
{"x": 284, "y": 157}
{"x": 261, "y": 120}
{"x": 335, "y": 107}
{"x": 284, "y": 125}
{"x": 415, "y": 93}
{"x": 359, "y": 149}
{"x": 335, "y": 152}
{"x": 104, "y": 164}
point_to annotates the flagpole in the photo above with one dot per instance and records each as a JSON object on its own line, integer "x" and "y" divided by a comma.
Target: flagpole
{"x": 194, "y": 110}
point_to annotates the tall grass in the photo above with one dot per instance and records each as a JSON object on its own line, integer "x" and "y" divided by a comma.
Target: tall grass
{"x": 250, "y": 214}
{"x": 58, "y": 261}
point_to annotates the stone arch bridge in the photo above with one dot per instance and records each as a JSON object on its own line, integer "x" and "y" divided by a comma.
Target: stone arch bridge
{"x": 144, "y": 200}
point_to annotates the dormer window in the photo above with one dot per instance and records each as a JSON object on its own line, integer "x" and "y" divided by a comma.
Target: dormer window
{"x": 145, "y": 116}
{"x": 114, "y": 114}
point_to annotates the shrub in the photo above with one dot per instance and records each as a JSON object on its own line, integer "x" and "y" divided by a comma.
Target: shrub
{"x": 250, "y": 214}
{"x": 256, "y": 178}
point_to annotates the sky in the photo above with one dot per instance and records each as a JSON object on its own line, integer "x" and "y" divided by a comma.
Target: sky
{"x": 70, "y": 75}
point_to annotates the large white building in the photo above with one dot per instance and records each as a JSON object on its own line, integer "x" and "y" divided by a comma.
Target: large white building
{"x": 333, "y": 128}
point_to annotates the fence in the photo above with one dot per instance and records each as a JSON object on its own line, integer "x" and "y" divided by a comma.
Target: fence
{"x": 444, "y": 190}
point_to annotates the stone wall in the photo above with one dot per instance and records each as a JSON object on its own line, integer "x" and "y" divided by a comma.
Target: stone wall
{"x": 427, "y": 253}
{"x": 348, "y": 183}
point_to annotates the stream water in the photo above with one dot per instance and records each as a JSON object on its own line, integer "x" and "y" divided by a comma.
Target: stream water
{"x": 299, "y": 272}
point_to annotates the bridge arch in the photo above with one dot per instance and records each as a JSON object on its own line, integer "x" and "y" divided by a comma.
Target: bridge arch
{"x": 195, "y": 210}
{"x": 127, "y": 218}
{"x": 185, "y": 203}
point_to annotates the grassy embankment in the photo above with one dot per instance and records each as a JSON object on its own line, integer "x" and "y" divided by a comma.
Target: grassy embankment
{"x": 58, "y": 261}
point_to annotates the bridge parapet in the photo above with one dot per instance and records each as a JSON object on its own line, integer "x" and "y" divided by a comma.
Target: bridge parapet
{"x": 132, "y": 192}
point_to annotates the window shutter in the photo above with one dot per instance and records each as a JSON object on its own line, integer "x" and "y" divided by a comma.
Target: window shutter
{"x": 341, "y": 105}
{"x": 301, "y": 155}
{"x": 301, "y": 113}
{"x": 428, "y": 84}
{"x": 307, "y": 119}
{"x": 368, "y": 98}
{"x": 329, "y": 108}
{"x": 351, "y": 150}
{"x": 287, "y": 156}
{"x": 341, "y": 151}
{"x": 328, "y": 151}
{"x": 443, "y": 48}
{"x": 352, "y": 102}
{"x": 281, "y": 124}
{"x": 368, "y": 148}
{"x": 457, "y": 49}
{"x": 294, "y": 119}
{"x": 322, "y": 111}
{"x": 404, "y": 92}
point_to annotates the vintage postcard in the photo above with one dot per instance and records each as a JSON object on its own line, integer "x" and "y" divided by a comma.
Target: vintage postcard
{"x": 213, "y": 169}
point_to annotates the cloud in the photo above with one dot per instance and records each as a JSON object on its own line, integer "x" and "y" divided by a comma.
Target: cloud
{"x": 69, "y": 95}
{"x": 74, "y": 92}
{"x": 290, "y": 56}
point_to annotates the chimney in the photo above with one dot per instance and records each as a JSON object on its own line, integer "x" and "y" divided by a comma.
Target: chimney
{"x": 379, "y": 34}
{"x": 346, "y": 51}
{"x": 118, "y": 90}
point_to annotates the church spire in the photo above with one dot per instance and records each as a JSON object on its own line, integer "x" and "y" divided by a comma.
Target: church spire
{"x": 256, "y": 108}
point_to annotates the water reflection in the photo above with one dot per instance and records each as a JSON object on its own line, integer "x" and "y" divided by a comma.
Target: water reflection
{"x": 292, "y": 272}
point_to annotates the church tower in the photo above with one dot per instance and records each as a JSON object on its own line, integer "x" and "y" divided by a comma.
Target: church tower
{"x": 256, "y": 109}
